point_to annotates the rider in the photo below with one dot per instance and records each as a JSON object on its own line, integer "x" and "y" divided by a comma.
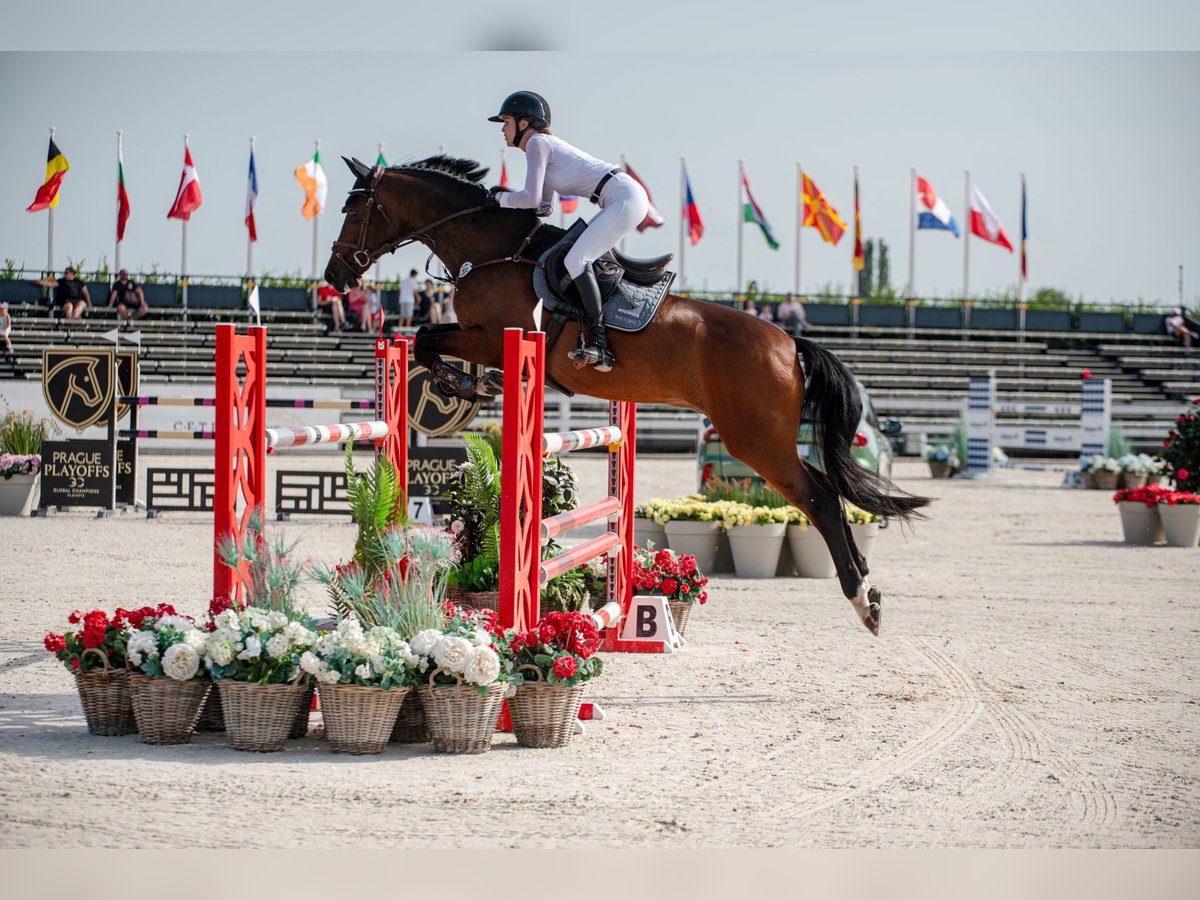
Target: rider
{"x": 554, "y": 166}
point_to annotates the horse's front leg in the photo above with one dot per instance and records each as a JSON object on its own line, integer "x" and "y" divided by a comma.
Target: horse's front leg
{"x": 473, "y": 345}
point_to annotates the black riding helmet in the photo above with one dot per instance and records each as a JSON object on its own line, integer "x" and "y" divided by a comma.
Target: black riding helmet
{"x": 525, "y": 105}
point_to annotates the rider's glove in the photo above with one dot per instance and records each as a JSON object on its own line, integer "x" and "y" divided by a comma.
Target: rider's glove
{"x": 544, "y": 210}
{"x": 492, "y": 201}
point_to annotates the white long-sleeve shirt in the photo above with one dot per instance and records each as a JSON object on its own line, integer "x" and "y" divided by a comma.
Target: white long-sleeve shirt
{"x": 554, "y": 166}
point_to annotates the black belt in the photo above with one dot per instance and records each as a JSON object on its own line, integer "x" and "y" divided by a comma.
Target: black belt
{"x": 595, "y": 198}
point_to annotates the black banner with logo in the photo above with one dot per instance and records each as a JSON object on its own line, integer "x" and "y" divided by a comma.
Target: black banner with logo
{"x": 430, "y": 470}
{"x": 79, "y": 473}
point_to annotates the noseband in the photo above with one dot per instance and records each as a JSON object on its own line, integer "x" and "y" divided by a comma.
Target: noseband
{"x": 359, "y": 253}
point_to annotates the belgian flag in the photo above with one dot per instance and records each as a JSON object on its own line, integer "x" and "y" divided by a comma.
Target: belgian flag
{"x": 56, "y": 168}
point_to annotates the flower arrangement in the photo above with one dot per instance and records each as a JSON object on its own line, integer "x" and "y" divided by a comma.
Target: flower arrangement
{"x": 943, "y": 453}
{"x": 1181, "y": 450}
{"x": 1179, "y": 498}
{"x": 108, "y": 636}
{"x": 258, "y": 645}
{"x": 562, "y": 647}
{"x": 746, "y": 491}
{"x": 674, "y": 576}
{"x": 1150, "y": 495}
{"x": 468, "y": 648}
{"x": 1139, "y": 464}
{"x": 166, "y": 644}
{"x": 19, "y": 464}
{"x": 377, "y": 657}
{"x": 856, "y": 516}
{"x": 21, "y": 439}
{"x": 733, "y": 514}
{"x": 1100, "y": 463}
{"x": 656, "y": 510}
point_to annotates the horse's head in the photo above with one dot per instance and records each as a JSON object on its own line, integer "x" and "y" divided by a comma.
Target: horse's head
{"x": 388, "y": 208}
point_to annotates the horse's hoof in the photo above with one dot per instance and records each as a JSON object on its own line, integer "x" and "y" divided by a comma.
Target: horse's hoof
{"x": 491, "y": 385}
{"x": 868, "y": 604}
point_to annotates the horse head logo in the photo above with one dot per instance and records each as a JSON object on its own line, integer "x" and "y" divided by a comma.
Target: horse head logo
{"x": 77, "y": 385}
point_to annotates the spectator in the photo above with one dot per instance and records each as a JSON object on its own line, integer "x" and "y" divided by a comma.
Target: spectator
{"x": 128, "y": 297}
{"x": 436, "y": 307}
{"x": 330, "y": 298}
{"x": 426, "y": 300}
{"x": 766, "y": 314}
{"x": 356, "y": 301}
{"x": 372, "y": 311}
{"x": 449, "y": 316}
{"x": 751, "y": 307}
{"x": 1177, "y": 326}
{"x": 69, "y": 293}
{"x": 790, "y": 315}
{"x": 408, "y": 299}
{"x": 5, "y": 328}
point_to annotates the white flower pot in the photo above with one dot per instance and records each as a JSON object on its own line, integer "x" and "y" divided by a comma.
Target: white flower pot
{"x": 810, "y": 553}
{"x": 864, "y": 537}
{"x": 16, "y": 492}
{"x": 696, "y": 538}
{"x": 1180, "y": 524}
{"x": 646, "y": 531}
{"x": 1140, "y": 523}
{"x": 756, "y": 549}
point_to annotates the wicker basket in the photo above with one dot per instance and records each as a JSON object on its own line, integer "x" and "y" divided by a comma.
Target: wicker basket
{"x": 460, "y": 719}
{"x": 411, "y": 726}
{"x": 300, "y": 725}
{"x": 680, "y": 612}
{"x": 166, "y": 710}
{"x": 259, "y": 717}
{"x": 104, "y": 695}
{"x": 360, "y": 719}
{"x": 454, "y": 594}
{"x": 212, "y": 718}
{"x": 480, "y": 600}
{"x": 543, "y": 715}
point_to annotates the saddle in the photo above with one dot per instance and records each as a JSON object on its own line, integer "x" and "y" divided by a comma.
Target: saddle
{"x": 631, "y": 289}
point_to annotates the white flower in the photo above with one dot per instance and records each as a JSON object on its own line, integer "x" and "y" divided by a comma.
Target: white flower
{"x": 405, "y": 654}
{"x": 141, "y": 645}
{"x": 218, "y": 648}
{"x": 481, "y": 638}
{"x": 452, "y": 653}
{"x": 276, "y": 619}
{"x": 228, "y": 620}
{"x": 179, "y": 623}
{"x": 311, "y": 663}
{"x": 257, "y": 620}
{"x": 327, "y": 644}
{"x": 482, "y": 667}
{"x": 180, "y": 662}
{"x": 196, "y": 639}
{"x": 363, "y": 671}
{"x": 253, "y": 649}
{"x": 423, "y": 641}
{"x": 299, "y": 635}
{"x": 278, "y": 646}
{"x": 329, "y": 676}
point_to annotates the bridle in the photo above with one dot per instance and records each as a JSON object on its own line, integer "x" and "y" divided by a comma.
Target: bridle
{"x": 360, "y": 254}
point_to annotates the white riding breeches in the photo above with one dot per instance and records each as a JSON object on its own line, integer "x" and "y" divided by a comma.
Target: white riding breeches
{"x": 623, "y": 206}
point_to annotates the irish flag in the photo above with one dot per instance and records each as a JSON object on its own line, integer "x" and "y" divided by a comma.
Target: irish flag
{"x": 56, "y": 168}
{"x": 751, "y": 212}
{"x": 312, "y": 178}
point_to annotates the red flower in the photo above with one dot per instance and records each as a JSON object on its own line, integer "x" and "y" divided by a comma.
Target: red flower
{"x": 74, "y": 617}
{"x": 1182, "y": 473}
{"x": 669, "y": 586}
{"x": 703, "y": 598}
{"x": 684, "y": 587}
{"x": 74, "y": 664}
{"x": 565, "y": 666}
{"x": 55, "y": 643}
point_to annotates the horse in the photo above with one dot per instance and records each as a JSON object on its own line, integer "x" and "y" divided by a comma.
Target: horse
{"x": 746, "y": 375}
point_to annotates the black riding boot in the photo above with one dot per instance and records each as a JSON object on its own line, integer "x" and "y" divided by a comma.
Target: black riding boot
{"x": 596, "y": 353}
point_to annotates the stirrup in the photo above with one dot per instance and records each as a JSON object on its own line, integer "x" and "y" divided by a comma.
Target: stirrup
{"x": 600, "y": 358}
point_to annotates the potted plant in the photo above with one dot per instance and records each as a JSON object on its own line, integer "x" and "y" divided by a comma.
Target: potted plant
{"x": 693, "y": 527}
{"x": 21, "y": 438}
{"x": 464, "y": 690}
{"x": 755, "y": 519}
{"x": 364, "y": 678}
{"x": 1179, "y": 512}
{"x": 550, "y": 663}
{"x": 676, "y": 576}
{"x": 1100, "y": 472}
{"x": 809, "y": 552}
{"x": 864, "y": 527}
{"x": 943, "y": 461}
{"x": 95, "y": 655}
{"x": 1180, "y": 455}
{"x": 167, "y": 682}
{"x": 1136, "y": 470}
{"x": 1140, "y": 520}
{"x": 648, "y": 521}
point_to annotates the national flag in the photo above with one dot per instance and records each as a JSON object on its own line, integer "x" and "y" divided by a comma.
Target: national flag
{"x": 860, "y": 259}
{"x": 312, "y": 178}
{"x": 56, "y": 168}
{"x": 985, "y": 223}
{"x": 653, "y": 219}
{"x": 1024, "y": 233}
{"x": 691, "y": 213}
{"x": 188, "y": 197}
{"x": 122, "y": 196}
{"x": 380, "y": 161}
{"x": 251, "y": 198}
{"x": 503, "y": 172}
{"x": 752, "y": 213}
{"x": 932, "y": 211}
{"x": 819, "y": 213}
{"x": 569, "y": 204}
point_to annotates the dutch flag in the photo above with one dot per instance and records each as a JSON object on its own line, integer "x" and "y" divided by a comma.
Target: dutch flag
{"x": 932, "y": 211}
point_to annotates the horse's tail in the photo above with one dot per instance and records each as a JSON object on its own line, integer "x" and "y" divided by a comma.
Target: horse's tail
{"x": 833, "y": 405}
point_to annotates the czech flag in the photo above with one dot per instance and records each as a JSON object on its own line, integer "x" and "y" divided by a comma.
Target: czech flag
{"x": 56, "y": 168}
{"x": 251, "y": 198}
{"x": 932, "y": 211}
{"x": 985, "y": 223}
{"x": 691, "y": 214}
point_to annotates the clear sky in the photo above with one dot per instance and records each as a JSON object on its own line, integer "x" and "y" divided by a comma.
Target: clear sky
{"x": 1107, "y": 140}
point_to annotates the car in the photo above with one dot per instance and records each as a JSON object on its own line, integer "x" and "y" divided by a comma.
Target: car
{"x": 871, "y": 447}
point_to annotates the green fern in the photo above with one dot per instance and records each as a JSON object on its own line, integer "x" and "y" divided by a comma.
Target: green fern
{"x": 377, "y": 503}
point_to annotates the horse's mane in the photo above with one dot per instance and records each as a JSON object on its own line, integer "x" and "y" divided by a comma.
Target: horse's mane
{"x": 464, "y": 171}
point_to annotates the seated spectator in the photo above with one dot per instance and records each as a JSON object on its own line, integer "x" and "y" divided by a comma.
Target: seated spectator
{"x": 70, "y": 294}
{"x": 751, "y": 307}
{"x": 766, "y": 314}
{"x": 356, "y": 301}
{"x": 128, "y": 297}
{"x": 5, "y": 329}
{"x": 1177, "y": 326}
{"x": 330, "y": 298}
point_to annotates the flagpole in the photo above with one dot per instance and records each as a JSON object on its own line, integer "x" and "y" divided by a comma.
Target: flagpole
{"x": 683, "y": 215}
{"x": 183, "y": 265}
{"x": 799, "y": 223}
{"x": 117, "y": 245}
{"x": 1021, "y": 255}
{"x": 737, "y": 286}
{"x": 853, "y": 291}
{"x": 967, "y": 237}
{"x": 249, "y": 242}
{"x": 50, "y": 230}
{"x": 316, "y": 219}
{"x": 912, "y": 229}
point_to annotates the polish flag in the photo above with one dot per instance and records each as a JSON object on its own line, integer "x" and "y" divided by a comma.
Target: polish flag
{"x": 985, "y": 223}
{"x": 187, "y": 198}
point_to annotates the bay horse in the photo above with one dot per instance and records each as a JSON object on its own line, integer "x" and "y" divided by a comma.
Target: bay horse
{"x": 746, "y": 375}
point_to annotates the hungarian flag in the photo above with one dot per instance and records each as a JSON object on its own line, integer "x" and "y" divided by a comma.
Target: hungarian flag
{"x": 819, "y": 214}
{"x": 56, "y": 168}
{"x": 860, "y": 261}
{"x": 1024, "y": 233}
{"x": 691, "y": 214}
{"x": 312, "y": 178}
{"x": 188, "y": 197}
{"x": 569, "y": 204}
{"x": 653, "y": 219}
{"x": 251, "y": 198}
{"x": 122, "y": 196}
{"x": 752, "y": 213}
{"x": 503, "y": 172}
{"x": 985, "y": 223}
